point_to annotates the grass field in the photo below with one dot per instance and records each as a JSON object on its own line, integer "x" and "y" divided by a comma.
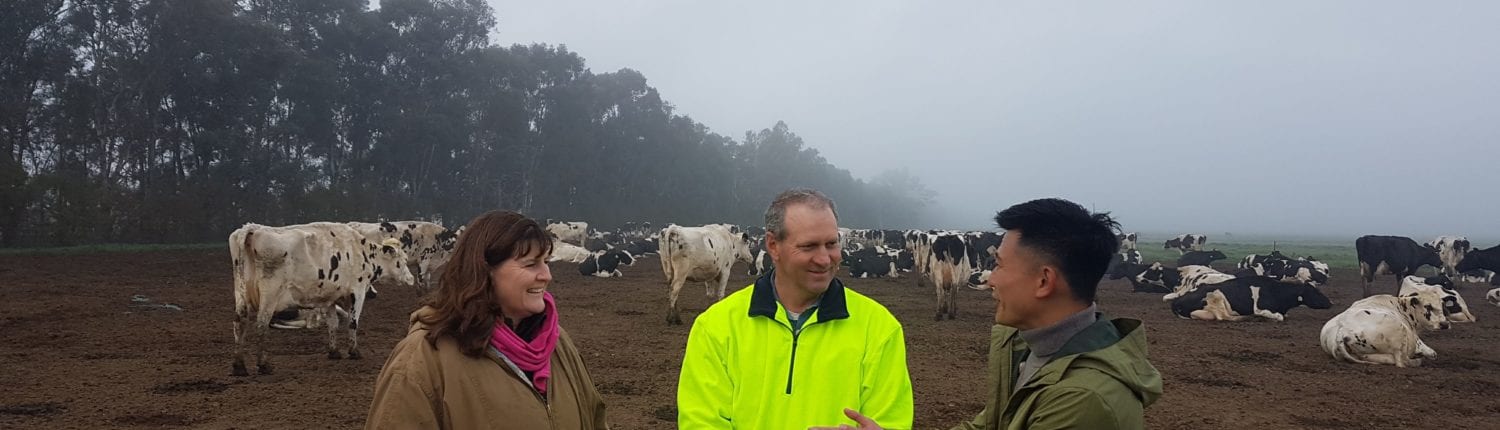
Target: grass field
{"x": 108, "y": 247}
{"x": 1338, "y": 254}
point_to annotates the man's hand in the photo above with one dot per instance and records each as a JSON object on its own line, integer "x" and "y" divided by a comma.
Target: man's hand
{"x": 865, "y": 423}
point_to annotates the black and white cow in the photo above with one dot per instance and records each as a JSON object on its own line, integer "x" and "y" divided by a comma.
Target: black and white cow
{"x": 1396, "y": 255}
{"x": 761, "y": 263}
{"x": 1127, "y": 240}
{"x": 604, "y": 264}
{"x": 647, "y": 246}
{"x": 1186, "y": 242}
{"x": 1242, "y": 298}
{"x": 948, "y": 268}
{"x": 874, "y": 262}
{"x": 1254, "y": 259}
{"x": 894, "y": 239}
{"x": 1200, "y": 258}
{"x": 1132, "y": 272}
{"x": 1306, "y": 271}
{"x": 1451, "y": 249}
{"x": 1453, "y": 303}
{"x": 1482, "y": 259}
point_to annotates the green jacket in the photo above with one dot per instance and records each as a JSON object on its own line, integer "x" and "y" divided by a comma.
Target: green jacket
{"x": 745, "y": 368}
{"x": 1099, "y": 380}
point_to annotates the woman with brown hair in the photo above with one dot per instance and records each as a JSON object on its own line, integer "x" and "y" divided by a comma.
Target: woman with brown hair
{"x": 485, "y": 349}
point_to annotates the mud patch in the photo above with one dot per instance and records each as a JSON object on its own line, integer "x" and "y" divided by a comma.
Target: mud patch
{"x": 665, "y": 413}
{"x": 1248, "y": 356}
{"x": 621, "y": 388}
{"x": 1214, "y": 382}
{"x": 33, "y": 409}
{"x": 153, "y": 420}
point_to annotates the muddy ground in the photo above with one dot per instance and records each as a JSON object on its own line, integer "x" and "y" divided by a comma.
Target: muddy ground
{"x": 78, "y": 349}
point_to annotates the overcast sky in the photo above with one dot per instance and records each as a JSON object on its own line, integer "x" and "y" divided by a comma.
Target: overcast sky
{"x": 1282, "y": 117}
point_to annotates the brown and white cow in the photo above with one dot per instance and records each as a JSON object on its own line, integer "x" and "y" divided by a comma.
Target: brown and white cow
{"x": 700, "y": 254}
{"x": 309, "y": 266}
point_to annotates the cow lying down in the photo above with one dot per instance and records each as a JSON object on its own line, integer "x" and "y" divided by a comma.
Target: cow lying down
{"x": 1242, "y": 298}
{"x": 1382, "y": 329}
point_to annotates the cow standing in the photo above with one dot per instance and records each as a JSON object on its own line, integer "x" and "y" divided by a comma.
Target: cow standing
{"x": 1451, "y": 250}
{"x": 1396, "y": 255}
{"x": 427, "y": 245}
{"x": 310, "y": 266}
{"x": 1186, "y": 242}
{"x": 700, "y": 254}
{"x": 948, "y": 268}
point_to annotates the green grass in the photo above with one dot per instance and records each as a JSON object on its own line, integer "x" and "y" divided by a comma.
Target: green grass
{"x": 110, "y": 247}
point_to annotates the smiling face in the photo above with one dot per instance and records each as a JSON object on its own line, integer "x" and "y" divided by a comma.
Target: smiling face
{"x": 1014, "y": 282}
{"x": 519, "y": 283}
{"x": 809, "y": 254}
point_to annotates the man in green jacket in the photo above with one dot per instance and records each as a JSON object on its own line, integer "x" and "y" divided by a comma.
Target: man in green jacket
{"x": 797, "y": 348}
{"x": 1055, "y": 362}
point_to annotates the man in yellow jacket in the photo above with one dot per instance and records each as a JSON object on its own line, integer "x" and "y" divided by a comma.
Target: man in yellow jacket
{"x": 797, "y": 348}
{"x": 1055, "y": 362}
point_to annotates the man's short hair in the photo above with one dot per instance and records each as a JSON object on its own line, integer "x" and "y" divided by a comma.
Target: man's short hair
{"x": 776, "y": 213}
{"x": 1064, "y": 234}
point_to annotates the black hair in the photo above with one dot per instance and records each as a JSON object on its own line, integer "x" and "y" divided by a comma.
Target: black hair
{"x": 1066, "y": 235}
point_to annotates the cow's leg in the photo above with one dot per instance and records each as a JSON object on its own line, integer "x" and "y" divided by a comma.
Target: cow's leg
{"x": 354, "y": 315}
{"x": 331, "y": 318}
{"x": 953, "y": 300}
{"x": 941, "y": 300}
{"x": 241, "y": 318}
{"x": 262, "y": 333}
{"x": 672, "y": 317}
{"x": 1424, "y": 351}
{"x": 723, "y": 283}
{"x": 1366, "y": 275}
{"x": 1204, "y": 314}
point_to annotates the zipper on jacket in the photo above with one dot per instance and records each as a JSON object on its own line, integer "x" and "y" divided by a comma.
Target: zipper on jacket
{"x": 793, "y": 364}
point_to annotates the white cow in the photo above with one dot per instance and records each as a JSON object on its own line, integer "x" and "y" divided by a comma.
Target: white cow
{"x": 700, "y": 254}
{"x": 308, "y": 266}
{"x": 574, "y": 232}
{"x": 1453, "y": 303}
{"x": 1493, "y": 296}
{"x": 427, "y": 245}
{"x": 1190, "y": 277}
{"x": 1382, "y": 329}
{"x": 563, "y": 251}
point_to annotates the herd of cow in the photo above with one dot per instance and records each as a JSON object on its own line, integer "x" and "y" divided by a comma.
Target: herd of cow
{"x": 320, "y": 274}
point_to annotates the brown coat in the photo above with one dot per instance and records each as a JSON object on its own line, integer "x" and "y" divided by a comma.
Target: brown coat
{"x": 425, "y": 388}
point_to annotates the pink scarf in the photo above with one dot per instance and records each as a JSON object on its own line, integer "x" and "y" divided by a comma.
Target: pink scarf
{"x": 535, "y": 356}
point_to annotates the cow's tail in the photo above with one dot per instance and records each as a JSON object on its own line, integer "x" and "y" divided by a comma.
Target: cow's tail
{"x": 1337, "y": 344}
{"x": 248, "y": 271}
{"x": 669, "y": 238}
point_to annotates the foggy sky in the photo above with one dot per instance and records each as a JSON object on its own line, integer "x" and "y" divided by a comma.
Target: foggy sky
{"x": 1325, "y": 118}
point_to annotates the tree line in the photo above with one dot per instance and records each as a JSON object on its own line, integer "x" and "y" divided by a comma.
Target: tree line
{"x": 169, "y": 121}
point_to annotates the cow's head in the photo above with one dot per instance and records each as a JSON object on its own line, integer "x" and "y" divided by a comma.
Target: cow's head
{"x": 742, "y": 248}
{"x": 1423, "y": 307}
{"x": 447, "y": 239}
{"x": 1313, "y": 298}
{"x": 1216, "y": 255}
{"x": 625, "y": 257}
{"x": 390, "y": 260}
{"x": 1452, "y": 302}
{"x": 1493, "y": 296}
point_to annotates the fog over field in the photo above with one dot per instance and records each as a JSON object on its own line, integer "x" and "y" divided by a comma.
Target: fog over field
{"x": 1284, "y": 118}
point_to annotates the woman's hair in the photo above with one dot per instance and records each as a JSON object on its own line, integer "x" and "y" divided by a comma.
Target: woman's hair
{"x": 465, "y": 306}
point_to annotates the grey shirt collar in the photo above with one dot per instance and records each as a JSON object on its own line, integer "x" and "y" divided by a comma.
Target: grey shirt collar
{"x": 1046, "y": 341}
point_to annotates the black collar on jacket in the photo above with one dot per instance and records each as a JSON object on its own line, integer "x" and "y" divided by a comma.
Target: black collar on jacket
{"x": 763, "y": 299}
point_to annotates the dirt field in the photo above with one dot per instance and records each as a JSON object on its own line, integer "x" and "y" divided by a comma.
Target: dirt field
{"x": 77, "y": 351}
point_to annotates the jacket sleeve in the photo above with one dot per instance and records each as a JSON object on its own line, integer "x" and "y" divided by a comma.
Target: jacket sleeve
{"x": 987, "y": 419}
{"x": 703, "y": 387}
{"x": 1071, "y": 408}
{"x": 887, "y": 396}
{"x": 404, "y": 396}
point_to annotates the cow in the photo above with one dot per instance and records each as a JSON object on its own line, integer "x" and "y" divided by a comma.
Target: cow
{"x": 1242, "y": 298}
{"x": 948, "y": 267}
{"x": 1186, "y": 242}
{"x": 1127, "y": 240}
{"x": 635, "y": 230}
{"x": 310, "y": 266}
{"x": 1453, "y": 303}
{"x": 760, "y": 261}
{"x": 1132, "y": 272}
{"x": 1451, "y": 250}
{"x": 875, "y": 262}
{"x": 700, "y": 254}
{"x": 563, "y": 251}
{"x": 1200, "y": 258}
{"x": 604, "y": 264}
{"x": 1382, "y": 329}
{"x": 427, "y": 245}
{"x": 1254, "y": 259}
{"x": 1493, "y": 296}
{"x": 1477, "y": 276}
{"x": 894, "y": 239}
{"x": 920, "y": 245}
{"x": 647, "y": 246}
{"x": 1305, "y": 271}
{"x": 1483, "y": 259}
{"x": 1189, "y": 278}
{"x": 1396, "y": 255}
{"x": 574, "y": 232}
